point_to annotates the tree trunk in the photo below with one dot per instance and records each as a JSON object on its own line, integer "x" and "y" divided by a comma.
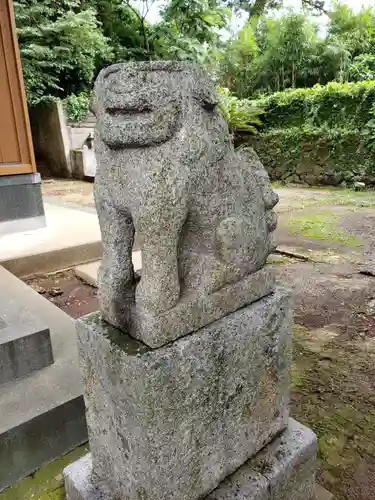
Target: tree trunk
{"x": 144, "y": 34}
{"x": 257, "y": 9}
{"x": 293, "y": 75}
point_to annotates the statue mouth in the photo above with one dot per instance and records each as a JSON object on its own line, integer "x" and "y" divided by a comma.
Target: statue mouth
{"x": 129, "y": 123}
{"x": 128, "y": 112}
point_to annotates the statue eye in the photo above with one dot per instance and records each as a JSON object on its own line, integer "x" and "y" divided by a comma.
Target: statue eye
{"x": 208, "y": 105}
{"x": 110, "y": 71}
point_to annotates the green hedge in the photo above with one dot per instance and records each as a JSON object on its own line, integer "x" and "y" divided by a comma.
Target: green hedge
{"x": 336, "y": 104}
{"x": 321, "y": 135}
{"x": 321, "y": 156}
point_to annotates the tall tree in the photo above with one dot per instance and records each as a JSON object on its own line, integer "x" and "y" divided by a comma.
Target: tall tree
{"x": 355, "y": 30}
{"x": 190, "y": 29}
{"x": 59, "y": 45}
{"x": 254, "y": 8}
{"x": 318, "y": 6}
{"x": 258, "y": 8}
{"x": 237, "y": 68}
{"x": 120, "y": 24}
{"x": 197, "y": 19}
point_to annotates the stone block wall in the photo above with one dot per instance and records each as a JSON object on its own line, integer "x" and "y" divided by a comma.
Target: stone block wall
{"x": 302, "y": 158}
{"x": 66, "y": 148}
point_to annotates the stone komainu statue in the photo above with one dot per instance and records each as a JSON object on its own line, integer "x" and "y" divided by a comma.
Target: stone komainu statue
{"x": 201, "y": 212}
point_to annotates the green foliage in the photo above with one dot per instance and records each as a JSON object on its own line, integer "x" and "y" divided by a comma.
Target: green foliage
{"x": 254, "y": 8}
{"x": 122, "y": 25}
{"x": 368, "y": 132}
{"x": 277, "y": 53}
{"x": 63, "y": 45}
{"x": 354, "y": 29}
{"x": 60, "y": 46}
{"x": 289, "y": 46}
{"x": 346, "y": 105}
{"x": 77, "y": 106}
{"x": 257, "y": 8}
{"x": 323, "y": 134}
{"x": 190, "y": 29}
{"x": 322, "y": 155}
{"x": 273, "y": 53}
{"x": 197, "y": 20}
{"x": 362, "y": 68}
{"x": 237, "y": 64}
{"x": 241, "y": 115}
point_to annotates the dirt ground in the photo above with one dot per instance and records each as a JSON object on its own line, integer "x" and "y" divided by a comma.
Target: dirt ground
{"x": 69, "y": 191}
{"x": 326, "y": 242}
{"x": 67, "y": 292}
{"x": 334, "y": 333}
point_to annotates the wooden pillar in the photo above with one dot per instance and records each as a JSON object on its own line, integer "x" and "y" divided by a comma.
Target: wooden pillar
{"x": 16, "y": 148}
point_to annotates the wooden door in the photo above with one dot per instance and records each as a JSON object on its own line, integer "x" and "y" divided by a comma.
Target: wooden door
{"x": 16, "y": 149}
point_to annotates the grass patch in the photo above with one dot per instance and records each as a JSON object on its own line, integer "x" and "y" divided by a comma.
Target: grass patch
{"x": 277, "y": 260}
{"x": 322, "y": 227}
{"x": 349, "y": 197}
{"x": 277, "y": 184}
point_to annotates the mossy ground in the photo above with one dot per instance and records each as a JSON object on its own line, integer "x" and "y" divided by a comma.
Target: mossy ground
{"x": 333, "y": 393}
{"x": 322, "y": 196}
{"x": 322, "y": 226}
{"x": 45, "y": 484}
{"x": 334, "y": 343}
{"x": 342, "y": 197}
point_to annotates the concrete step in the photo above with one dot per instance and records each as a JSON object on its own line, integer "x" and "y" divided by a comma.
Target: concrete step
{"x": 71, "y": 237}
{"x": 25, "y": 341}
{"x": 23, "y": 349}
{"x": 89, "y": 272}
{"x": 42, "y": 414}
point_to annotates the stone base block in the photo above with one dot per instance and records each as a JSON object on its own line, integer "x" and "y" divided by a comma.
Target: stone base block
{"x": 283, "y": 470}
{"x": 195, "y": 311}
{"x": 172, "y": 423}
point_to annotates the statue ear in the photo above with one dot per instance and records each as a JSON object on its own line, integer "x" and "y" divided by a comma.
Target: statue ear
{"x": 207, "y": 97}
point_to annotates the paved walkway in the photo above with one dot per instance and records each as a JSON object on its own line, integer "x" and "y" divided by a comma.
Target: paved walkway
{"x": 71, "y": 236}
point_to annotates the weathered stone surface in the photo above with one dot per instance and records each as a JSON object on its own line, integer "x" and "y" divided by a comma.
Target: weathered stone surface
{"x": 284, "y": 470}
{"x": 289, "y": 464}
{"x": 196, "y": 311}
{"x": 173, "y": 422}
{"x": 202, "y": 213}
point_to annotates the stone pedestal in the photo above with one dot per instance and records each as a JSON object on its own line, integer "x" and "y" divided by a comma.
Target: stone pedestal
{"x": 283, "y": 470}
{"x": 174, "y": 422}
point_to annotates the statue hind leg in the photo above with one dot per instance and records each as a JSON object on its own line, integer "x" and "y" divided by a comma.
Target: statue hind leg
{"x": 158, "y": 230}
{"x": 116, "y": 283}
